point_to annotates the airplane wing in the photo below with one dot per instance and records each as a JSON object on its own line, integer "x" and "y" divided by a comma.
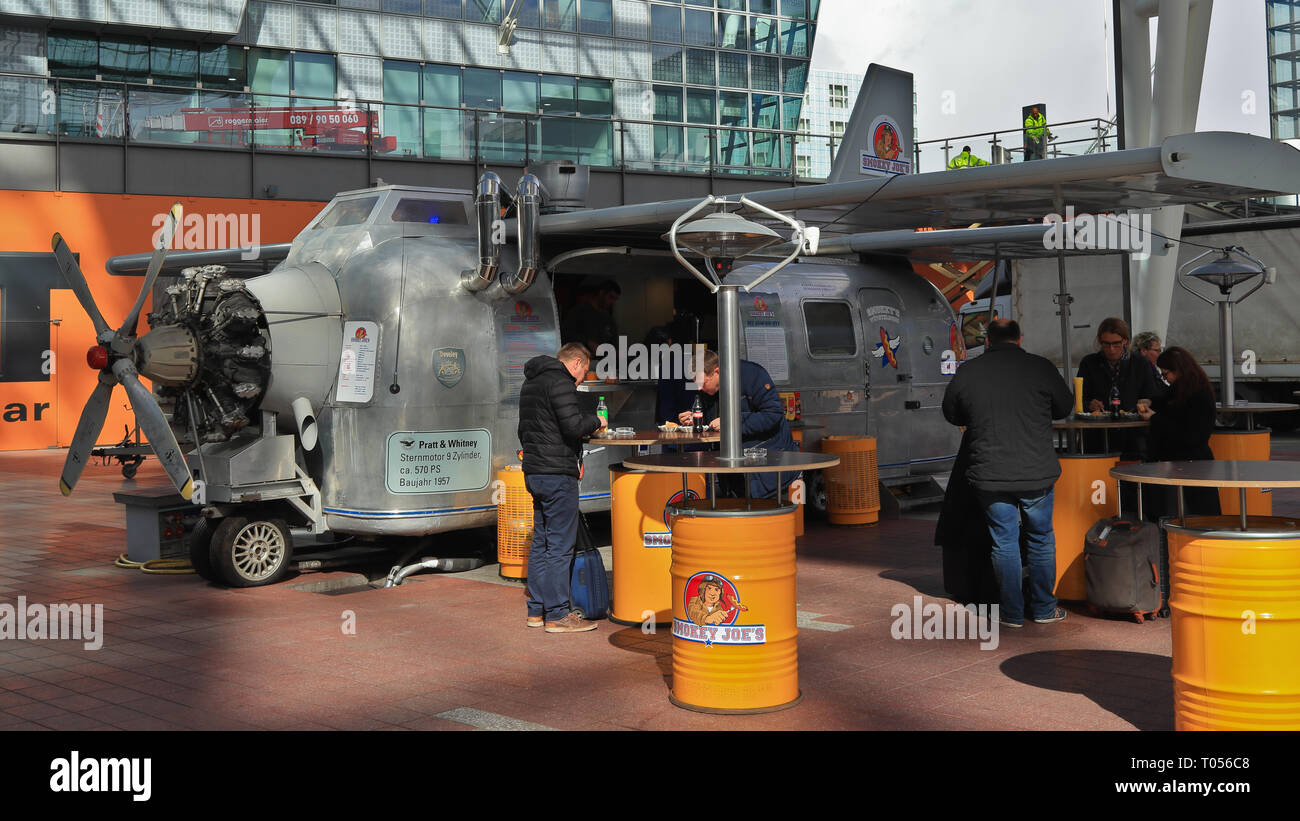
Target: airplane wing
{"x": 235, "y": 259}
{"x": 1190, "y": 168}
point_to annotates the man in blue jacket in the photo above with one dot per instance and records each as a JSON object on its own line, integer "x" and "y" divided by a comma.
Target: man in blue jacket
{"x": 762, "y": 417}
{"x": 1006, "y": 399}
{"x": 551, "y": 429}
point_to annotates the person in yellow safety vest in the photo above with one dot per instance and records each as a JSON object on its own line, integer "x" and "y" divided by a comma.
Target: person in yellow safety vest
{"x": 1036, "y": 135}
{"x": 965, "y": 159}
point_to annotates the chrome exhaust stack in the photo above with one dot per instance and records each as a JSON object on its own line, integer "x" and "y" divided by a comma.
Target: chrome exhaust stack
{"x": 487, "y": 204}
{"x": 528, "y": 204}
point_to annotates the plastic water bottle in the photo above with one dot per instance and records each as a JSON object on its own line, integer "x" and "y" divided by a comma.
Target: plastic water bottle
{"x": 697, "y": 415}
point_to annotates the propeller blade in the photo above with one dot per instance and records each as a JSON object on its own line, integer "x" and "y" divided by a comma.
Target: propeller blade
{"x": 77, "y": 282}
{"x": 151, "y": 420}
{"x": 155, "y": 265}
{"x": 88, "y": 428}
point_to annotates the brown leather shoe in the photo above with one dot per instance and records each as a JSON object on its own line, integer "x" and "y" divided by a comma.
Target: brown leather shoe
{"x": 570, "y": 624}
{"x": 535, "y": 621}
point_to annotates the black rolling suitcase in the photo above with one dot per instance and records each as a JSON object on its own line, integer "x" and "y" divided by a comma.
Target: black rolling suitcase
{"x": 1121, "y": 562}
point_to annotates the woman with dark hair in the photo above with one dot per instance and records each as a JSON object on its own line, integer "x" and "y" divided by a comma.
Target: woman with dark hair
{"x": 1181, "y": 424}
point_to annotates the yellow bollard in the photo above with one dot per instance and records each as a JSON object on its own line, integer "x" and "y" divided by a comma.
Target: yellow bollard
{"x": 1235, "y": 605}
{"x": 735, "y": 647}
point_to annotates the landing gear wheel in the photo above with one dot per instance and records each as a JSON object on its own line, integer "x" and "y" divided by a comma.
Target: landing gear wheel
{"x": 252, "y": 553}
{"x": 200, "y": 545}
{"x": 129, "y": 469}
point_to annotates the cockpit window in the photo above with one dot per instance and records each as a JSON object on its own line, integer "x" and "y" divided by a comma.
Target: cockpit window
{"x": 434, "y": 212}
{"x": 830, "y": 329}
{"x": 347, "y": 212}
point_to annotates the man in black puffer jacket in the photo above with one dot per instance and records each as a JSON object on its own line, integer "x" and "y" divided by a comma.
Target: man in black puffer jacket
{"x": 551, "y": 428}
{"x": 1007, "y": 398}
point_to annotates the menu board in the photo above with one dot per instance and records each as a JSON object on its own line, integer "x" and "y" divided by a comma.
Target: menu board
{"x": 764, "y": 336}
{"x": 357, "y": 362}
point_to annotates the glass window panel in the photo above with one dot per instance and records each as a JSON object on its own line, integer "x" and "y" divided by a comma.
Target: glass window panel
{"x": 268, "y": 73}
{"x": 733, "y": 147}
{"x": 441, "y": 85}
{"x": 733, "y": 108}
{"x": 597, "y": 16}
{"x": 666, "y": 62}
{"x": 314, "y": 75}
{"x": 442, "y": 8}
{"x": 733, "y": 31}
{"x": 124, "y": 59}
{"x": 814, "y": 6}
{"x": 708, "y": 3}
{"x": 666, "y": 24}
{"x": 668, "y": 103}
{"x": 89, "y": 110}
{"x": 830, "y": 328}
{"x": 762, "y": 6}
{"x": 444, "y": 132}
{"x": 765, "y": 151}
{"x": 402, "y": 85}
{"x": 594, "y": 141}
{"x": 507, "y": 137}
{"x": 698, "y": 30}
{"x": 700, "y": 68}
{"x": 764, "y": 73}
{"x": 223, "y": 67}
{"x": 482, "y": 88}
{"x": 733, "y": 69}
{"x": 520, "y": 91}
{"x": 794, "y": 76}
{"x": 173, "y": 64}
{"x": 435, "y": 212}
{"x": 596, "y": 98}
{"x": 559, "y": 95}
{"x": 699, "y": 106}
{"x": 794, "y": 8}
{"x": 73, "y": 55}
{"x": 155, "y": 115}
{"x": 794, "y": 39}
{"x": 738, "y": 5}
{"x": 767, "y": 112}
{"x": 669, "y": 151}
{"x": 764, "y": 34}
{"x": 790, "y": 113}
{"x": 347, "y": 212}
{"x": 530, "y": 13}
{"x": 697, "y": 148}
{"x": 401, "y": 6}
{"x": 561, "y": 14}
{"x": 483, "y": 11}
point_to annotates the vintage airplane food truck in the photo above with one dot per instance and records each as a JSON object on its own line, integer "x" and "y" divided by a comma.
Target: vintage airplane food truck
{"x": 368, "y": 385}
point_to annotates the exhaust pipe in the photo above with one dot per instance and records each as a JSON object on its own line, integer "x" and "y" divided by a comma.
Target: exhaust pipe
{"x": 398, "y": 574}
{"x": 305, "y": 418}
{"x": 528, "y": 202}
{"x": 487, "y": 204}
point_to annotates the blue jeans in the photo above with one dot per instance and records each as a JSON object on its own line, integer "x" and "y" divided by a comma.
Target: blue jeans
{"x": 555, "y": 531}
{"x": 1002, "y": 512}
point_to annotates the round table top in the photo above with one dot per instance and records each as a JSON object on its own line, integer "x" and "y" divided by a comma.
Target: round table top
{"x": 658, "y": 437}
{"x": 1207, "y": 473}
{"x": 1255, "y": 407}
{"x": 1101, "y": 423}
{"x": 779, "y": 461}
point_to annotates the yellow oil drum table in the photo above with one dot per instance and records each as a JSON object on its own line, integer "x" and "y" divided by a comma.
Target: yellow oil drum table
{"x": 1235, "y": 605}
{"x": 514, "y": 524}
{"x": 803, "y": 487}
{"x": 1243, "y": 445}
{"x": 1077, "y": 504}
{"x": 735, "y": 646}
{"x": 642, "y": 541}
{"x": 852, "y": 486}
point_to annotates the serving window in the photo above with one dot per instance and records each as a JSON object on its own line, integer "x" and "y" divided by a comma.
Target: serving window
{"x": 829, "y": 325}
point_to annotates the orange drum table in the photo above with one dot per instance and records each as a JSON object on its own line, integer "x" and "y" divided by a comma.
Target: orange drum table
{"x": 1251, "y": 444}
{"x": 1234, "y": 600}
{"x": 733, "y": 588}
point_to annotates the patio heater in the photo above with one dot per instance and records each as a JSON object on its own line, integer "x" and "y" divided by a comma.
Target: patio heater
{"x": 1233, "y": 267}
{"x": 721, "y": 238}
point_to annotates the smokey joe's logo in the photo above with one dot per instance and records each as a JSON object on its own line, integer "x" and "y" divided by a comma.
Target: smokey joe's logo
{"x": 712, "y": 607}
{"x": 449, "y": 365}
{"x": 884, "y": 153}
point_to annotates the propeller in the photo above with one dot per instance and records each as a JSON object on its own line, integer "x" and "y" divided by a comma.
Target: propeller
{"x": 115, "y": 359}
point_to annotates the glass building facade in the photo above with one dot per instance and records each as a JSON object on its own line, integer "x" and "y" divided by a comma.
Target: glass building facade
{"x": 693, "y": 85}
{"x": 1284, "y": 68}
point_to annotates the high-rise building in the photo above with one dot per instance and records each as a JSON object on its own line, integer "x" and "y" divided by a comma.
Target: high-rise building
{"x": 692, "y": 85}
{"x": 1283, "y": 20}
{"x": 828, "y": 103}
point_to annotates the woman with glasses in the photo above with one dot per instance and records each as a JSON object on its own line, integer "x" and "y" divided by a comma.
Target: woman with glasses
{"x": 1113, "y": 371}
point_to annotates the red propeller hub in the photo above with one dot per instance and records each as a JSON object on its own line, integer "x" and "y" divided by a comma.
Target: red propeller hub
{"x": 97, "y": 357}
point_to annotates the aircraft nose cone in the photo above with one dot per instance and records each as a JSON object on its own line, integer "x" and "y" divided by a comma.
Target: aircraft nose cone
{"x": 168, "y": 355}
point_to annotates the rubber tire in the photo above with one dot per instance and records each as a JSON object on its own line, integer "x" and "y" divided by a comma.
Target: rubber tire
{"x": 222, "y": 555}
{"x": 200, "y": 547}
{"x": 129, "y": 469}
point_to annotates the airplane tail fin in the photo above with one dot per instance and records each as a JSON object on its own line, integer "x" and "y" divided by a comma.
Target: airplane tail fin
{"x": 878, "y": 138}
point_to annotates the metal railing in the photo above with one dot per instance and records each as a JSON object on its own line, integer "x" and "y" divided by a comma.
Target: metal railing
{"x": 151, "y": 114}
{"x": 1069, "y": 139}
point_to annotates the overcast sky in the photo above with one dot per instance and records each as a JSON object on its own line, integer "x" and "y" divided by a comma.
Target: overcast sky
{"x": 986, "y": 58}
